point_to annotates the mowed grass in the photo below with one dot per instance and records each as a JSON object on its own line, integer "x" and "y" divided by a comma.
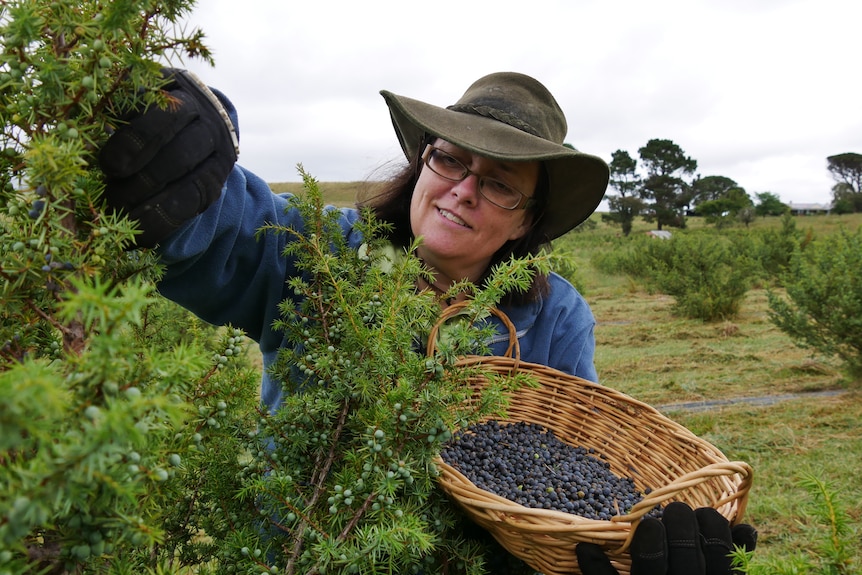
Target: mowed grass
{"x": 646, "y": 351}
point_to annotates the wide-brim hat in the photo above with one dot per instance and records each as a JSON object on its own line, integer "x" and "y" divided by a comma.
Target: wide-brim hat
{"x": 509, "y": 117}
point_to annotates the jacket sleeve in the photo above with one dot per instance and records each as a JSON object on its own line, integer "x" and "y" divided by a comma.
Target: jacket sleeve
{"x": 220, "y": 268}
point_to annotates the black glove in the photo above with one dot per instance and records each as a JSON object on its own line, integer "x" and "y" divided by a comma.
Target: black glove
{"x": 165, "y": 166}
{"x": 683, "y": 542}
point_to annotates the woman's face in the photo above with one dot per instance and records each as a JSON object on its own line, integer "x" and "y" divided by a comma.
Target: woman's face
{"x": 460, "y": 229}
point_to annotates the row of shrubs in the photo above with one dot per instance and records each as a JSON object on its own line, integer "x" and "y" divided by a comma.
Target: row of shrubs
{"x": 814, "y": 283}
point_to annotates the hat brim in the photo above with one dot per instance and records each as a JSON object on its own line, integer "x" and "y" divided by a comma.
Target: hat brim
{"x": 577, "y": 181}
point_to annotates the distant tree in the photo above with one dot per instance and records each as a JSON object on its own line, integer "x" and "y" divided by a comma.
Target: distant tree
{"x": 710, "y": 188}
{"x": 847, "y": 169}
{"x": 845, "y": 200}
{"x": 726, "y": 207}
{"x": 769, "y": 204}
{"x": 623, "y": 211}
{"x": 664, "y": 189}
{"x": 625, "y": 207}
{"x": 624, "y": 177}
{"x": 746, "y": 215}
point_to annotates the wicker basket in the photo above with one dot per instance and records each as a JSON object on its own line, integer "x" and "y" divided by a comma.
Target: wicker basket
{"x": 636, "y": 439}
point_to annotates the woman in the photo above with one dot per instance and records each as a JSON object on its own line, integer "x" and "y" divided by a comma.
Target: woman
{"x": 487, "y": 178}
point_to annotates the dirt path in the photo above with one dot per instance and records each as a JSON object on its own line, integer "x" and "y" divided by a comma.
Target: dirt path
{"x": 694, "y": 406}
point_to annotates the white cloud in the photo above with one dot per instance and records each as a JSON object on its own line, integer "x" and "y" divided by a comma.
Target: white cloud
{"x": 761, "y": 92}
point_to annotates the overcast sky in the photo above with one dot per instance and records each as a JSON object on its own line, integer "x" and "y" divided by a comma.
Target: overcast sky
{"x": 759, "y": 91}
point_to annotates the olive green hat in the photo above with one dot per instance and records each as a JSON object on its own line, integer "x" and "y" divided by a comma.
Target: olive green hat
{"x": 508, "y": 116}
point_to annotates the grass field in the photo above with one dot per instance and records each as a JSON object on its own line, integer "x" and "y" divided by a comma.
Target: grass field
{"x": 646, "y": 351}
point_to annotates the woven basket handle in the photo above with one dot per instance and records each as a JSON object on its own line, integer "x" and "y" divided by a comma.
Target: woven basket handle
{"x": 514, "y": 349}
{"x": 680, "y": 484}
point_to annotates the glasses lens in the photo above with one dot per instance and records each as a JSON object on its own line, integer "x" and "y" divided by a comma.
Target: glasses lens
{"x": 446, "y": 165}
{"x": 500, "y": 193}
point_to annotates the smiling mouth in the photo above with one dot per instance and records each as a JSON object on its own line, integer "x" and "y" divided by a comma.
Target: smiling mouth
{"x": 452, "y": 217}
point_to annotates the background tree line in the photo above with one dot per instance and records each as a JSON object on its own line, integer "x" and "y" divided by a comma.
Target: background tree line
{"x": 666, "y": 189}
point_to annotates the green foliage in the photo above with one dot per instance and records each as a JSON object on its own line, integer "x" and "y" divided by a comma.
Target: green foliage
{"x": 623, "y": 211}
{"x": 112, "y": 401}
{"x": 564, "y": 264}
{"x": 347, "y": 480}
{"x": 707, "y": 274}
{"x": 823, "y": 305}
{"x": 846, "y": 200}
{"x": 131, "y": 439}
{"x": 773, "y": 247}
{"x": 726, "y": 208}
{"x": 769, "y": 204}
{"x": 667, "y": 192}
{"x": 833, "y": 536}
{"x": 625, "y": 207}
{"x": 846, "y": 169}
{"x": 709, "y": 188}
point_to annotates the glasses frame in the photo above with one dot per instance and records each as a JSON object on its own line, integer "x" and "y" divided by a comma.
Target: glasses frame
{"x": 523, "y": 203}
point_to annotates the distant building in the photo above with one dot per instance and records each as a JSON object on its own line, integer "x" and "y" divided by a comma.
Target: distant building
{"x": 809, "y": 209}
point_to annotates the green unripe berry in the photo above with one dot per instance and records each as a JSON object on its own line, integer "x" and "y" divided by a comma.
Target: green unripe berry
{"x": 81, "y": 552}
{"x": 98, "y": 548}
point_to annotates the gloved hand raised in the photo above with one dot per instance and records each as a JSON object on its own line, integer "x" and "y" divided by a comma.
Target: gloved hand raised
{"x": 683, "y": 542}
{"x": 165, "y": 166}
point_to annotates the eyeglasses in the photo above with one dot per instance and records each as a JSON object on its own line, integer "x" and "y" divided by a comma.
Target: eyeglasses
{"x": 498, "y": 193}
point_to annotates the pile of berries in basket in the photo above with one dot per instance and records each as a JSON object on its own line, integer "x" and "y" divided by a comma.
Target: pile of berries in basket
{"x": 527, "y": 464}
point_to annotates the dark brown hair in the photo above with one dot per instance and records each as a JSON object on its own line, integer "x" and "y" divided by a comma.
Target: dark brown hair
{"x": 391, "y": 204}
